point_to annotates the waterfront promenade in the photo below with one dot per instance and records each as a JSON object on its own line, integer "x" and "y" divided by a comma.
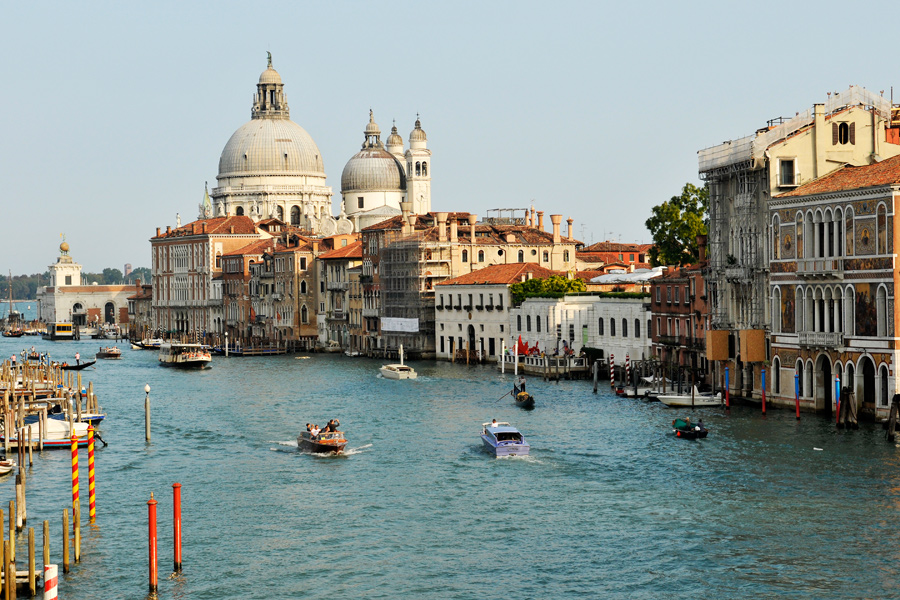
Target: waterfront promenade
{"x": 608, "y": 505}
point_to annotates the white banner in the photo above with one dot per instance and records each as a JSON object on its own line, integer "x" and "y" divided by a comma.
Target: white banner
{"x": 396, "y": 324}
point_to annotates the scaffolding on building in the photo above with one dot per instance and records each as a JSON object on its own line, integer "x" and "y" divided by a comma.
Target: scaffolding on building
{"x": 407, "y": 315}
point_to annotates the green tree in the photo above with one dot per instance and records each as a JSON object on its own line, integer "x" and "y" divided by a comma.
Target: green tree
{"x": 555, "y": 286}
{"x": 112, "y": 276}
{"x": 142, "y": 273}
{"x": 676, "y": 224}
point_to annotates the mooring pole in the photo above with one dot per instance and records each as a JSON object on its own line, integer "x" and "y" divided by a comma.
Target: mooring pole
{"x": 763, "y": 373}
{"x": 797, "y": 393}
{"x": 176, "y": 524}
{"x": 151, "y": 519}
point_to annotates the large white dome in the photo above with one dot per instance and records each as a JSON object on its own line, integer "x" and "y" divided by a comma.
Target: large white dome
{"x": 270, "y": 147}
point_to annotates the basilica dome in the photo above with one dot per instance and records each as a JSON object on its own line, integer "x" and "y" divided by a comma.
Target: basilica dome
{"x": 270, "y": 146}
{"x": 373, "y": 169}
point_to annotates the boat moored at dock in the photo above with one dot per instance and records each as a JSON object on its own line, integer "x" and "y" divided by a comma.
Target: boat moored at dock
{"x": 59, "y": 331}
{"x": 689, "y": 399}
{"x": 187, "y": 356}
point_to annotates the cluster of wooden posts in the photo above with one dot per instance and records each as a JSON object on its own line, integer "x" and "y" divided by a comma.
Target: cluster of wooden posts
{"x": 34, "y": 389}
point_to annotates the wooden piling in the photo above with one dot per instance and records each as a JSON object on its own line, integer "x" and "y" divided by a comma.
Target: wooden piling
{"x": 11, "y": 555}
{"x": 76, "y": 521}
{"x": 46, "y": 544}
{"x": 32, "y": 583}
{"x": 65, "y": 541}
{"x": 30, "y": 447}
{"x": 9, "y": 572}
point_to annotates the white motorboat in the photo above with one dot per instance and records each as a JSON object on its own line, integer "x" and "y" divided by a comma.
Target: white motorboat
{"x": 398, "y": 371}
{"x": 647, "y": 386}
{"x": 697, "y": 399}
{"x": 189, "y": 356}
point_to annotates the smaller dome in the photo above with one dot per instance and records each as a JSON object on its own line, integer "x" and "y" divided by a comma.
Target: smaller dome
{"x": 394, "y": 139}
{"x": 417, "y": 134}
{"x": 270, "y": 75}
{"x": 372, "y": 127}
{"x": 373, "y": 169}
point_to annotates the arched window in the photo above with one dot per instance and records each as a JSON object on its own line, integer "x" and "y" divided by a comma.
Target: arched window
{"x": 546, "y": 256}
{"x": 848, "y": 230}
{"x": 424, "y": 168}
{"x": 799, "y": 234}
{"x": 279, "y": 213}
{"x": 637, "y": 328}
{"x": 521, "y": 256}
{"x": 776, "y": 311}
{"x": 465, "y": 256}
{"x": 881, "y": 224}
{"x": 776, "y": 237}
{"x": 600, "y": 326}
{"x": 481, "y": 256}
{"x": 418, "y": 168}
{"x": 537, "y": 320}
{"x": 303, "y": 287}
{"x": 843, "y": 133}
{"x": 566, "y": 256}
{"x": 624, "y": 327}
{"x": 612, "y": 327}
{"x": 881, "y": 311}
{"x": 527, "y": 322}
{"x": 518, "y": 322}
{"x": 239, "y": 211}
{"x": 295, "y": 215}
{"x": 883, "y": 388}
{"x": 304, "y": 315}
{"x": 799, "y": 369}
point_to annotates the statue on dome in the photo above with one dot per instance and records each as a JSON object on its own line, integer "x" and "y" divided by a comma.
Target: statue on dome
{"x": 206, "y": 208}
{"x": 177, "y": 220}
{"x": 270, "y": 58}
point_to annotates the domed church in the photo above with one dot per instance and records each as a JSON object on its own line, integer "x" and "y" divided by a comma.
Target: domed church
{"x": 271, "y": 167}
{"x": 381, "y": 176}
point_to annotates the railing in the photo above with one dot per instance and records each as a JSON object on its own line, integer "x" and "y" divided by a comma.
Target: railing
{"x": 740, "y": 274}
{"x": 821, "y": 339}
{"x": 337, "y": 285}
{"x": 370, "y": 312}
{"x": 670, "y": 340}
{"x": 337, "y": 315}
{"x": 820, "y": 267}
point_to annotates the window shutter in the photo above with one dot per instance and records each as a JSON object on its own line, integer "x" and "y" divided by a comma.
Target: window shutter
{"x": 834, "y": 134}
{"x": 853, "y": 133}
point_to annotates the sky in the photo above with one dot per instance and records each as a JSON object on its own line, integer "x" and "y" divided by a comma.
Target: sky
{"x": 114, "y": 114}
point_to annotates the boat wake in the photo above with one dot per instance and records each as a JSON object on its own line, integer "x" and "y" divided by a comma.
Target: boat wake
{"x": 288, "y": 446}
{"x": 360, "y": 450}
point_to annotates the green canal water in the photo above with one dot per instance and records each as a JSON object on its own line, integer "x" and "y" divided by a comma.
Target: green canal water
{"x": 608, "y": 505}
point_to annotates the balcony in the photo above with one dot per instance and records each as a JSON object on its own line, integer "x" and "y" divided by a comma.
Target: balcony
{"x": 821, "y": 339}
{"x": 338, "y": 285}
{"x": 337, "y": 315}
{"x": 821, "y": 268}
{"x": 737, "y": 274}
{"x": 370, "y": 312}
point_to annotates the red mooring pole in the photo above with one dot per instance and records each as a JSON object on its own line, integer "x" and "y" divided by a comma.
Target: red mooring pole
{"x": 176, "y": 524}
{"x": 151, "y": 510}
{"x": 797, "y": 393}
{"x": 764, "y": 391}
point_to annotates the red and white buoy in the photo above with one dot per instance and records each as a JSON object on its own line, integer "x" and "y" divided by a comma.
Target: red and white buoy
{"x": 50, "y": 583}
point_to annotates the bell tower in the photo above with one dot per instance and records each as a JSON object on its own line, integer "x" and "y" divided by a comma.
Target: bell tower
{"x": 418, "y": 171}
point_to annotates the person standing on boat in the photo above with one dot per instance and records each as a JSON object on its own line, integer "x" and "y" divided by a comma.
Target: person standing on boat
{"x": 78, "y": 358}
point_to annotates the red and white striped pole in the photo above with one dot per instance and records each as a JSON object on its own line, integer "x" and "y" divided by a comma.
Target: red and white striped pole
{"x": 75, "y": 500}
{"x": 612, "y": 370}
{"x": 151, "y": 514}
{"x": 627, "y": 370}
{"x": 91, "y": 493}
{"x": 50, "y": 583}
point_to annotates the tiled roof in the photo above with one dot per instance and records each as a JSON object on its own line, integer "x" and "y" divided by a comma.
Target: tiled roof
{"x": 353, "y": 250}
{"x": 501, "y": 274}
{"x": 257, "y": 248}
{"x": 609, "y": 246}
{"x": 588, "y": 275}
{"x": 145, "y": 293}
{"x": 243, "y": 225}
{"x": 886, "y": 172}
{"x": 422, "y": 221}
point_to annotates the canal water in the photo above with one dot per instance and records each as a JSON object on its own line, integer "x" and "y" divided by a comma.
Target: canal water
{"x": 608, "y": 505}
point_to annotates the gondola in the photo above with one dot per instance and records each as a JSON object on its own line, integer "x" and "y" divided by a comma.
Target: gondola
{"x": 77, "y": 367}
{"x": 522, "y": 398}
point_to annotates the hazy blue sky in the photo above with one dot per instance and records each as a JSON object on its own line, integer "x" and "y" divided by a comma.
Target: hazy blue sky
{"x": 115, "y": 113}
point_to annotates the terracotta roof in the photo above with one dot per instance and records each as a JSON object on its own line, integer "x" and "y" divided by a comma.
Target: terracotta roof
{"x": 588, "y": 275}
{"x": 609, "y": 246}
{"x": 886, "y": 172}
{"x": 145, "y": 293}
{"x": 501, "y": 274}
{"x": 353, "y": 250}
{"x": 257, "y": 248}
{"x": 243, "y": 225}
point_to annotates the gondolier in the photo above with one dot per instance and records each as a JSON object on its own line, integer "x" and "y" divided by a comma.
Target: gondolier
{"x": 77, "y": 358}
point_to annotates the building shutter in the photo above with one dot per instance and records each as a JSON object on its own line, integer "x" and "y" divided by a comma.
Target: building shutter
{"x": 853, "y": 133}
{"x": 834, "y": 134}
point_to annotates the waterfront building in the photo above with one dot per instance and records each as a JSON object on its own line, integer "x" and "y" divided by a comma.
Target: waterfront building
{"x": 853, "y": 127}
{"x": 472, "y": 311}
{"x": 595, "y": 320}
{"x": 334, "y": 287}
{"x": 834, "y": 272}
{"x": 356, "y": 324}
{"x": 406, "y": 256}
{"x": 67, "y": 300}
{"x": 272, "y": 168}
{"x": 240, "y": 299}
{"x": 379, "y": 177}
{"x": 679, "y": 317}
{"x": 140, "y": 311}
{"x": 294, "y": 294}
{"x": 185, "y": 263}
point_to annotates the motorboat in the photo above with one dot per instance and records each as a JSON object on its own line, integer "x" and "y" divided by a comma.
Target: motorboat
{"x": 646, "y": 387}
{"x": 6, "y": 466}
{"x": 683, "y": 428}
{"x": 188, "y": 356}
{"x": 688, "y": 399}
{"x": 325, "y": 442}
{"x": 398, "y": 371}
{"x": 151, "y": 343}
{"x": 110, "y": 352}
{"x": 57, "y": 433}
{"x": 502, "y": 439}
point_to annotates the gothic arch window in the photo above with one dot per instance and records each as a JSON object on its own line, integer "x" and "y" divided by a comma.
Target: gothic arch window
{"x": 798, "y": 234}
{"x": 849, "y": 312}
{"x": 881, "y": 311}
{"x": 881, "y": 223}
{"x": 302, "y": 287}
{"x": 527, "y": 322}
{"x": 600, "y": 326}
{"x": 295, "y": 215}
{"x": 776, "y": 310}
{"x": 776, "y": 376}
{"x": 239, "y": 211}
{"x": 624, "y": 327}
{"x": 776, "y": 237}
{"x": 424, "y": 169}
{"x": 521, "y": 256}
{"x": 518, "y": 322}
{"x": 848, "y": 230}
{"x": 637, "y": 328}
{"x": 799, "y": 373}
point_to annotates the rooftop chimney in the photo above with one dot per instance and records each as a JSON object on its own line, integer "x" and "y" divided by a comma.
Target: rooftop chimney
{"x": 472, "y": 220}
{"x": 453, "y": 233}
{"x": 540, "y": 220}
{"x": 533, "y": 221}
{"x": 569, "y": 234}
{"x": 168, "y": 229}
{"x": 231, "y": 229}
{"x": 405, "y": 207}
{"x": 204, "y": 226}
{"x": 157, "y": 232}
{"x": 442, "y": 226}
{"x": 556, "y": 219}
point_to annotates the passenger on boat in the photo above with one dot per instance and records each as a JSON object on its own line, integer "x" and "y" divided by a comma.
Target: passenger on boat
{"x": 314, "y": 431}
{"x": 493, "y": 422}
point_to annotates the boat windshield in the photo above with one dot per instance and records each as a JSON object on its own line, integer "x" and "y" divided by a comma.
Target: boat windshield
{"x": 509, "y": 436}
